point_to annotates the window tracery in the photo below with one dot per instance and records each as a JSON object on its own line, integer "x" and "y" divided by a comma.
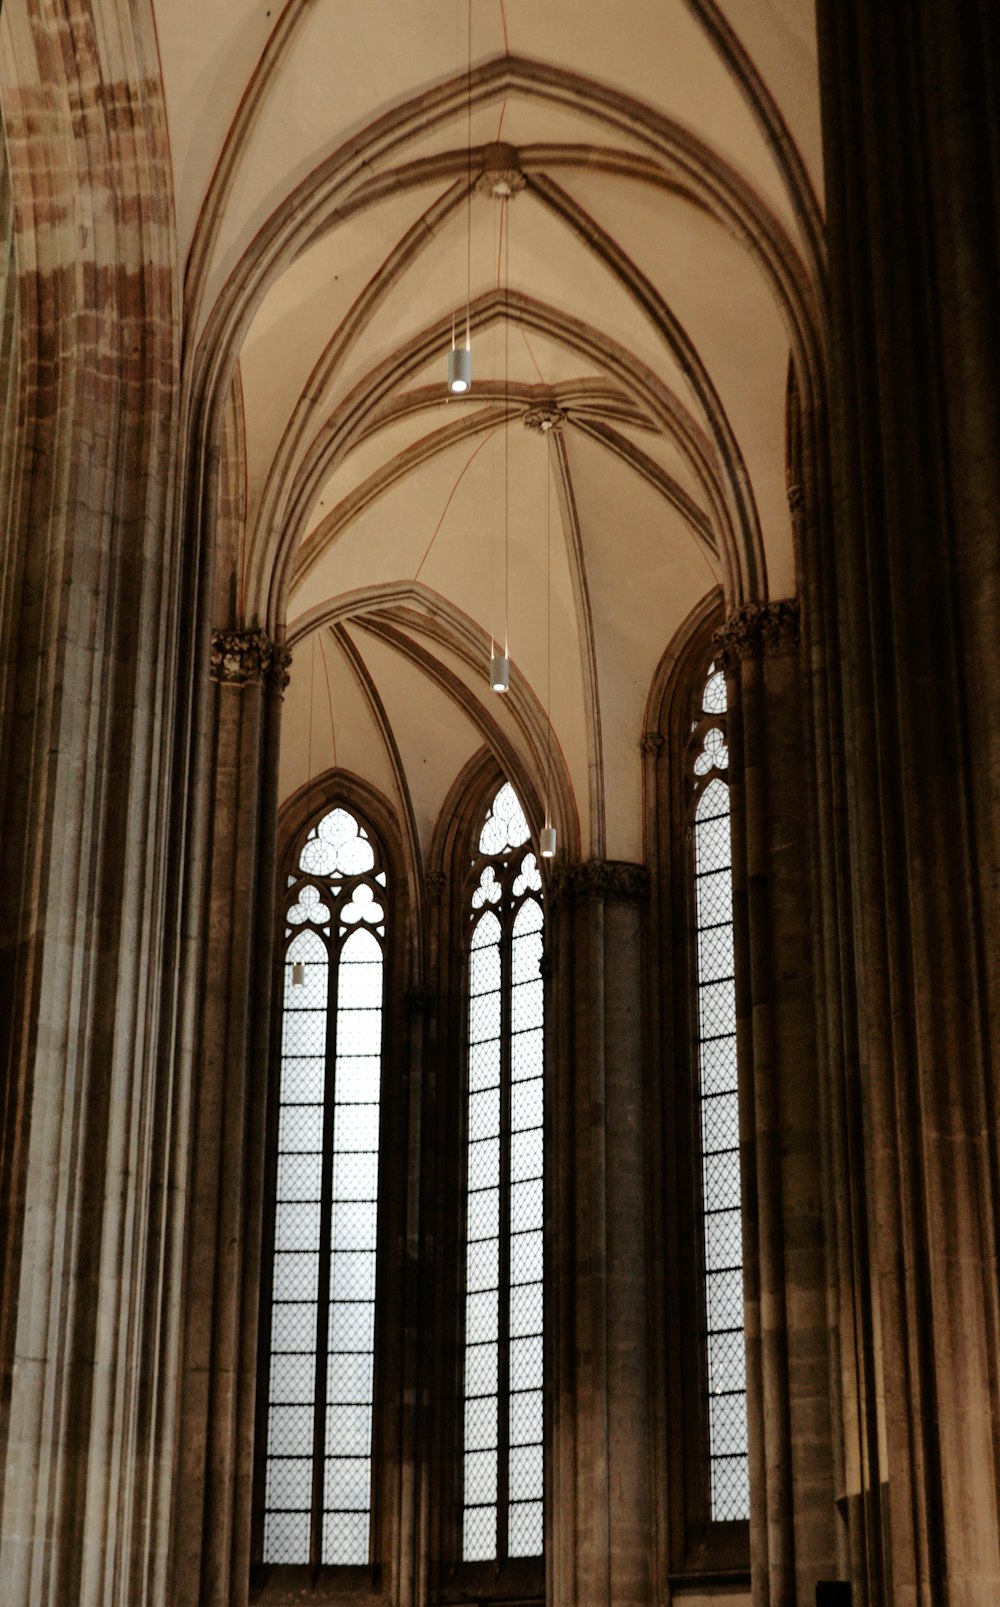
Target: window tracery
{"x": 724, "y": 1366}
{"x": 502, "y": 1510}
{"x": 317, "y": 1461}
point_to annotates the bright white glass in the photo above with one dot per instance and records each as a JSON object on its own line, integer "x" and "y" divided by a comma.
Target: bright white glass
{"x": 719, "y": 1106}
{"x": 504, "y": 1255}
{"x": 336, "y": 852}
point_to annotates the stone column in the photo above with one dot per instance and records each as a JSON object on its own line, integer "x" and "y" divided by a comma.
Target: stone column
{"x": 910, "y": 635}
{"x": 601, "y": 1549}
{"x": 218, "y": 1389}
{"x": 792, "y": 1485}
{"x": 97, "y": 615}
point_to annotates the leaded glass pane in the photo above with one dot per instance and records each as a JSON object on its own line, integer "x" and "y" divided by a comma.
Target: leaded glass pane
{"x": 321, "y": 1363}
{"x": 503, "y": 1426}
{"x": 714, "y": 697}
{"x": 725, "y": 1367}
{"x": 505, "y": 826}
{"x": 526, "y": 1529}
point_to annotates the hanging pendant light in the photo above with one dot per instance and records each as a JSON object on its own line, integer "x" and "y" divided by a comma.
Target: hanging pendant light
{"x": 460, "y": 369}
{"x": 500, "y": 672}
{"x": 460, "y": 357}
{"x": 547, "y": 842}
{"x": 298, "y": 974}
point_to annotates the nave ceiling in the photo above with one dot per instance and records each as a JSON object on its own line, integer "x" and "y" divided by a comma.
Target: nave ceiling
{"x": 647, "y": 286}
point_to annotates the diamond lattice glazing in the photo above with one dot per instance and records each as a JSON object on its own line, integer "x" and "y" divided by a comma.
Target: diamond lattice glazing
{"x": 503, "y": 1425}
{"x": 323, "y": 1285}
{"x": 725, "y": 1367}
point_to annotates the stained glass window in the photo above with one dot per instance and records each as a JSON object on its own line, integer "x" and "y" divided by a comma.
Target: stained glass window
{"x": 319, "y": 1396}
{"x": 502, "y": 1462}
{"x": 718, "y": 1107}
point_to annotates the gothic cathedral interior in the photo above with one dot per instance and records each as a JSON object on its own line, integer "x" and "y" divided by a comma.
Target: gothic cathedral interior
{"x": 500, "y": 968}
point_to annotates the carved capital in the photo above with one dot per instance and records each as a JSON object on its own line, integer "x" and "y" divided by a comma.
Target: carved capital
{"x": 501, "y": 178}
{"x": 757, "y": 630}
{"x": 418, "y": 1001}
{"x": 652, "y": 743}
{"x": 278, "y": 673}
{"x": 546, "y": 966}
{"x": 615, "y": 880}
{"x": 435, "y": 881}
{"x": 544, "y": 418}
{"x": 796, "y": 499}
{"x": 239, "y": 657}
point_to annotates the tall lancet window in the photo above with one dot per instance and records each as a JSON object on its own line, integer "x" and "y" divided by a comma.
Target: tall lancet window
{"x": 320, "y": 1366}
{"x": 502, "y": 1461}
{"x": 725, "y": 1362}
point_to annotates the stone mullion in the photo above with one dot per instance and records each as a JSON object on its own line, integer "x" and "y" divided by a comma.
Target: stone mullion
{"x": 325, "y": 1268}
{"x": 506, "y": 1223}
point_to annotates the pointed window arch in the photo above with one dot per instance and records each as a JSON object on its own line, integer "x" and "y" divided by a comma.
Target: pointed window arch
{"x": 502, "y": 1443}
{"x": 317, "y": 1381}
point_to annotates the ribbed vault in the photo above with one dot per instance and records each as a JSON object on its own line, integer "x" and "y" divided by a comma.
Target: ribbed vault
{"x": 646, "y": 283}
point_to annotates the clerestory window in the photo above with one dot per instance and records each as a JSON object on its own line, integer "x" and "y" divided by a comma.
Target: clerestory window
{"x": 502, "y": 1446}
{"x": 317, "y": 1389}
{"x": 724, "y": 1357}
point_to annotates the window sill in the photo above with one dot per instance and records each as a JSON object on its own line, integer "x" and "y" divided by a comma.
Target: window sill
{"x": 522, "y": 1579}
{"x": 275, "y": 1586}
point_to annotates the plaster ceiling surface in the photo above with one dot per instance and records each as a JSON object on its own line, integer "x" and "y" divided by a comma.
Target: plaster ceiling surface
{"x": 646, "y": 576}
{"x": 328, "y": 721}
{"x": 434, "y": 738}
{"x": 652, "y": 281}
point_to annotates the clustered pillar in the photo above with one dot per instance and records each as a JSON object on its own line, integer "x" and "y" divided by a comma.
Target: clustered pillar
{"x": 902, "y": 560}
{"x": 599, "y": 1489}
{"x": 792, "y": 1475}
{"x": 213, "y": 1499}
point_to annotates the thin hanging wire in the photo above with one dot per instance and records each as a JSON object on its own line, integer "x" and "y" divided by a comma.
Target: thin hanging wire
{"x": 548, "y": 620}
{"x": 497, "y": 211}
{"x": 312, "y": 699}
{"x": 454, "y": 238}
{"x": 506, "y": 449}
{"x": 468, "y": 197}
{"x": 499, "y": 228}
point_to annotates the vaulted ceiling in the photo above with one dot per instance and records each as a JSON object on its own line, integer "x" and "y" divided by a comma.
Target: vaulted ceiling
{"x": 626, "y": 197}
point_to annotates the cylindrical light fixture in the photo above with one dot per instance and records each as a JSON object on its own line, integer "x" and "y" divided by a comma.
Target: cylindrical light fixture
{"x": 547, "y": 842}
{"x": 298, "y": 974}
{"x": 459, "y": 370}
{"x": 500, "y": 672}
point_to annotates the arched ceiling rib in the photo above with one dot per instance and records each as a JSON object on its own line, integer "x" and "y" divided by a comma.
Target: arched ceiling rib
{"x": 649, "y": 286}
